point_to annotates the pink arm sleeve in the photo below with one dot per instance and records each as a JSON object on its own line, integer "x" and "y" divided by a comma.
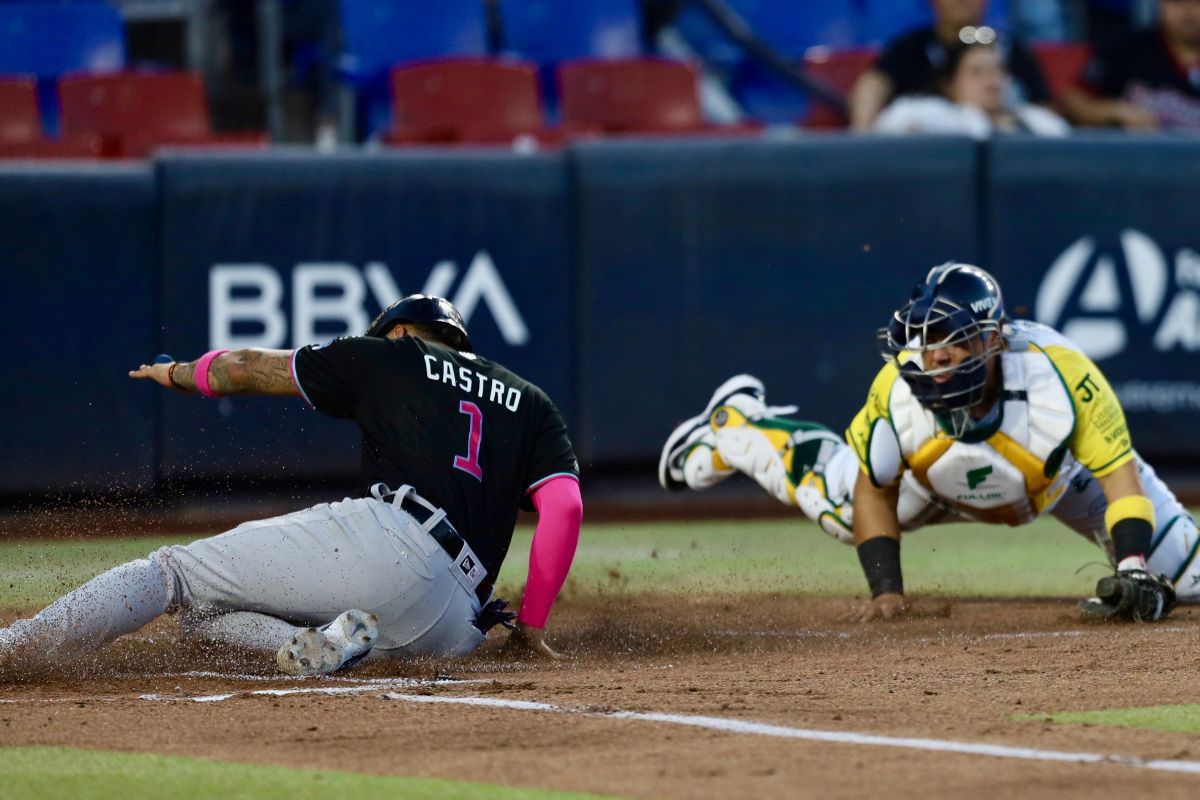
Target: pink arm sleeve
{"x": 560, "y": 512}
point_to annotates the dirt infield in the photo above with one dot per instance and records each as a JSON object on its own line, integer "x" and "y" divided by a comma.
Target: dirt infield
{"x": 956, "y": 671}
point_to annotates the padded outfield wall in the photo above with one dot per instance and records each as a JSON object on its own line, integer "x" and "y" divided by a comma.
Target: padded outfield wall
{"x": 627, "y": 278}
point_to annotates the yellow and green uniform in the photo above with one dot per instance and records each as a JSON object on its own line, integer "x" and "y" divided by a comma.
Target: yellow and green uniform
{"x": 1057, "y": 426}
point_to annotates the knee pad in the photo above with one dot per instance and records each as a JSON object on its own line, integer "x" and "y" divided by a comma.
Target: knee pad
{"x": 833, "y": 517}
{"x": 704, "y": 466}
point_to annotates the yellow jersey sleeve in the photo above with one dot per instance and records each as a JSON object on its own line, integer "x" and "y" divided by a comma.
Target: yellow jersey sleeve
{"x": 1101, "y": 440}
{"x": 878, "y": 459}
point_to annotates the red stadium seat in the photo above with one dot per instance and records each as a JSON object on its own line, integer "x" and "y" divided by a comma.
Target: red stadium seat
{"x": 631, "y": 96}
{"x": 466, "y": 101}
{"x": 21, "y": 127}
{"x": 135, "y": 113}
{"x": 1062, "y": 63}
{"x": 839, "y": 70}
{"x": 19, "y": 121}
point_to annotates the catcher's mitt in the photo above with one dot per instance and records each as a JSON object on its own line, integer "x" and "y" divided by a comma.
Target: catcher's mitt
{"x": 1132, "y": 595}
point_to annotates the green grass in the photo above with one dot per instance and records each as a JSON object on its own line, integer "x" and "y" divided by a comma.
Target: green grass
{"x": 35, "y": 571}
{"x": 787, "y": 556}
{"x": 795, "y": 557}
{"x": 50, "y": 773}
{"x": 1174, "y": 719}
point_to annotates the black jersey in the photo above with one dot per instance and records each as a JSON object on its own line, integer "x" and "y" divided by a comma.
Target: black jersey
{"x": 912, "y": 60}
{"x": 472, "y": 437}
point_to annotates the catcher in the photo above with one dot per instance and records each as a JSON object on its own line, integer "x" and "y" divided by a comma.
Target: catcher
{"x": 972, "y": 418}
{"x": 393, "y": 572}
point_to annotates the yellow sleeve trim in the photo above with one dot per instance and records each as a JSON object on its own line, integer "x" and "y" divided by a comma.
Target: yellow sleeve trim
{"x": 1133, "y": 506}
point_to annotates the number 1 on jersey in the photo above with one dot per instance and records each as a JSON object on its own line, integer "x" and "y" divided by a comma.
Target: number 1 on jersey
{"x": 470, "y": 463}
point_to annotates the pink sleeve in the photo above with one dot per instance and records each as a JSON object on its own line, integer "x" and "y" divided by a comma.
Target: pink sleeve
{"x": 560, "y": 513}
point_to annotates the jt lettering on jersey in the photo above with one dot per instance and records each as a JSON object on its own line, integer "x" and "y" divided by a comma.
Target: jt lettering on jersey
{"x": 471, "y": 381}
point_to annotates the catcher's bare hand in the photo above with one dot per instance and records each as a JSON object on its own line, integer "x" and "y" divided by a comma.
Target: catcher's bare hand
{"x": 886, "y": 606}
{"x": 526, "y": 640}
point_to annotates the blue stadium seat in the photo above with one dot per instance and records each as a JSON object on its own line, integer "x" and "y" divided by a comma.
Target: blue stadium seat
{"x": 885, "y": 19}
{"x": 378, "y": 34}
{"x": 48, "y": 39}
{"x": 548, "y": 31}
{"x": 791, "y": 27}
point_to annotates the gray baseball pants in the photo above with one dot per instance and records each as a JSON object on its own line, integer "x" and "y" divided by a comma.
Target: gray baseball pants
{"x": 256, "y": 585}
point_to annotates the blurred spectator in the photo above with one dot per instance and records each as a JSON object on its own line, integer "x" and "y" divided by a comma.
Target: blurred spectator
{"x": 1148, "y": 80}
{"x": 970, "y": 101}
{"x": 910, "y": 62}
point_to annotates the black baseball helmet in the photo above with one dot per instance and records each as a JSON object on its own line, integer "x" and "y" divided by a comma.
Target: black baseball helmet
{"x": 425, "y": 310}
{"x": 955, "y": 303}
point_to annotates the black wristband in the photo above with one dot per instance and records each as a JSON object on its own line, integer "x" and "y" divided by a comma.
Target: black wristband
{"x": 1131, "y": 537}
{"x": 880, "y": 559}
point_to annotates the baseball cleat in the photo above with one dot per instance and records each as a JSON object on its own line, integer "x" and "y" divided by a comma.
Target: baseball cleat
{"x": 740, "y": 390}
{"x": 342, "y": 643}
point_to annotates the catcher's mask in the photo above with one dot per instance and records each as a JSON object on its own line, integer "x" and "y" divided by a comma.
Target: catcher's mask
{"x": 425, "y": 310}
{"x": 954, "y": 304}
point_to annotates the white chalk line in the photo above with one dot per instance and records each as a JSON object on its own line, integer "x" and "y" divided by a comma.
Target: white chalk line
{"x": 834, "y": 737}
{"x": 365, "y": 686}
{"x": 233, "y": 676}
{"x": 376, "y": 685}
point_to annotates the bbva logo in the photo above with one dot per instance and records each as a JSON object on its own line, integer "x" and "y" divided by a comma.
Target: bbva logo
{"x": 1103, "y": 298}
{"x": 246, "y": 307}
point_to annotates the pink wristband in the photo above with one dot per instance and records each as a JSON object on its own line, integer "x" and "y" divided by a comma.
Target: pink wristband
{"x": 200, "y": 376}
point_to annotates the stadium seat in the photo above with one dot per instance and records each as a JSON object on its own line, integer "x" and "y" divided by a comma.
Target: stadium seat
{"x": 1062, "y": 63}
{"x": 21, "y": 127}
{"x": 378, "y": 34}
{"x": 48, "y": 39}
{"x": 466, "y": 101}
{"x": 19, "y": 121}
{"x": 549, "y": 31}
{"x": 838, "y": 70}
{"x": 791, "y": 28}
{"x": 882, "y": 20}
{"x": 137, "y": 112}
{"x": 788, "y": 27}
{"x": 45, "y": 40}
{"x": 633, "y": 96}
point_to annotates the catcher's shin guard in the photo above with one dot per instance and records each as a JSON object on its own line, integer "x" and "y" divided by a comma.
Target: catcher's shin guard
{"x": 692, "y": 437}
{"x": 775, "y": 452}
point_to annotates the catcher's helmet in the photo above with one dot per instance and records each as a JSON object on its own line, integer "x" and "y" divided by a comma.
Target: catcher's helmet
{"x": 954, "y": 304}
{"x": 425, "y": 310}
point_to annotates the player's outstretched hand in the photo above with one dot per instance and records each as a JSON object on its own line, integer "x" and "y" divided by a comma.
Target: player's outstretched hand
{"x": 526, "y": 641}
{"x": 886, "y": 606}
{"x": 159, "y": 372}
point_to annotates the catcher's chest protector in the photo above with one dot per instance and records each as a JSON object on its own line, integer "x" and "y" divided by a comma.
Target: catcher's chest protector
{"x": 1018, "y": 471}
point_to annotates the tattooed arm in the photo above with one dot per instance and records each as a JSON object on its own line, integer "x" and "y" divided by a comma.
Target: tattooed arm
{"x": 250, "y": 371}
